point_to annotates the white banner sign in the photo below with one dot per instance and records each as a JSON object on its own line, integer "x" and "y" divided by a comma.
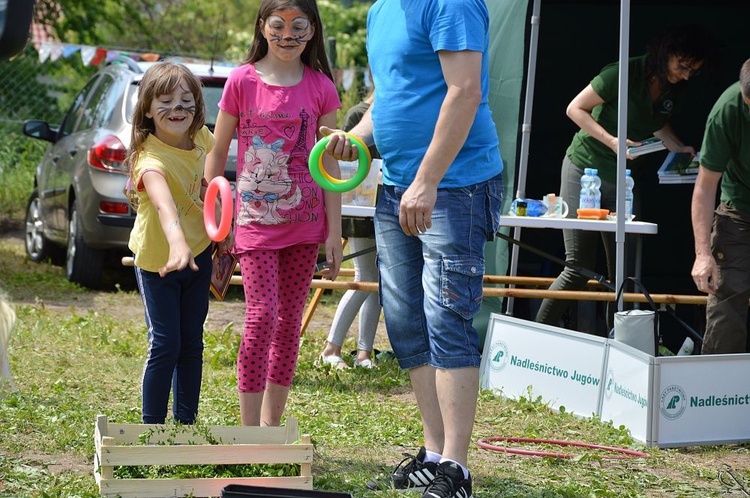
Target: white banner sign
{"x": 627, "y": 389}
{"x": 663, "y": 401}
{"x": 702, "y": 399}
{"x": 523, "y": 358}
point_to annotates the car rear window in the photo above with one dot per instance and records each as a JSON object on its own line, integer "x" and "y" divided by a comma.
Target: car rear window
{"x": 212, "y": 90}
{"x": 211, "y": 96}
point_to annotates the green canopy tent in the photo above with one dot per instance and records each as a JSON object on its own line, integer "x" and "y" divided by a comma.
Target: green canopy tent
{"x": 543, "y": 52}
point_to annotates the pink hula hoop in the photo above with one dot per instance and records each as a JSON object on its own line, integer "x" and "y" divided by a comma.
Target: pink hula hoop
{"x": 218, "y": 185}
{"x": 612, "y": 452}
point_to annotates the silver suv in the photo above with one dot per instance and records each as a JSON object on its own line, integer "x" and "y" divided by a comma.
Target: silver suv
{"x": 77, "y": 213}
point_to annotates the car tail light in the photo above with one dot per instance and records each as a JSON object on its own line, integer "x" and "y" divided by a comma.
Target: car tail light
{"x": 108, "y": 154}
{"x": 114, "y": 207}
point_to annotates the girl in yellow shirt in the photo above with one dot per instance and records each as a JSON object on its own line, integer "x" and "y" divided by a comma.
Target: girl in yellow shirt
{"x": 169, "y": 241}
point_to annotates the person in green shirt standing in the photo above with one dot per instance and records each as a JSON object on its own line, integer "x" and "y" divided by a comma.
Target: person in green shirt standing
{"x": 722, "y": 254}
{"x": 657, "y": 86}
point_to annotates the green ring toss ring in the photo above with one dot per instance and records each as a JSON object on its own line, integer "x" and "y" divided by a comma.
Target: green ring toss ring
{"x": 326, "y": 181}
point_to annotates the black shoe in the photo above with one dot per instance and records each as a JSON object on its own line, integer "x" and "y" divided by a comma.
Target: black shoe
{"x": 412, "y": 474}
{"x": 449, "y": 483}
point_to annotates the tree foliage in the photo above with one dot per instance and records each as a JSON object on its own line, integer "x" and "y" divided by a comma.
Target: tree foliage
{"x": 222, "y": 29}
{"x": 76, "y": 21}
{"x": 347, "y": 25}
{"x": 200, "y": 28}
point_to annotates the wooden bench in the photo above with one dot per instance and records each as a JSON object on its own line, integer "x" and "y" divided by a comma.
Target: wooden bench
{"x": 534, "y": 288}
{"x": 530, "y": 288}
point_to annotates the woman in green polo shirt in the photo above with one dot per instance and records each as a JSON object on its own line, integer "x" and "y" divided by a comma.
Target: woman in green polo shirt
{"x": 657, "y": 86}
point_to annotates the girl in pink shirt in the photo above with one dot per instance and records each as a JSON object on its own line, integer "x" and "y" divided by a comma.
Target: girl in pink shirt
{"x": 275, "y": 102}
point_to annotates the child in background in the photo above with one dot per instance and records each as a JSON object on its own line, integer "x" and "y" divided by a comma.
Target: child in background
{"x": 276, "y": 101}
{"x": 354, "y": 302}
{"x": 169, "y": 241}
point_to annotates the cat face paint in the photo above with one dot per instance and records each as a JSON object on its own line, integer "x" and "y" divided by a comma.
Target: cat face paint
{"x": 173, "y": 113}
{"x": 288, "y": 27}
{"x": 162, "y": 111}
{"x": 180, "y": 100}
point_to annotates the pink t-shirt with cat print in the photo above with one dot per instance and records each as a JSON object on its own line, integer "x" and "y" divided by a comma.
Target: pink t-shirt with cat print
{"x": 277, "y": 203}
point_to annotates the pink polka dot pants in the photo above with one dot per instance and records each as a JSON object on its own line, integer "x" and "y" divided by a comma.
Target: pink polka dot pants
{"x": 276, "y": 284}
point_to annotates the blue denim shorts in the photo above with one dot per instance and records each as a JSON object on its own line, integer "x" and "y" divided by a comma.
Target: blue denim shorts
{"x": 431, "y": 284}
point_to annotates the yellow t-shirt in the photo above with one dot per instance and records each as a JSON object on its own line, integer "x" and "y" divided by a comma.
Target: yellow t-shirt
{"x": 183, "y": 170}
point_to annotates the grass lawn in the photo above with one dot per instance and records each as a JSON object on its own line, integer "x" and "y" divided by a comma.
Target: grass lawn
{"x": 77, "y": 353}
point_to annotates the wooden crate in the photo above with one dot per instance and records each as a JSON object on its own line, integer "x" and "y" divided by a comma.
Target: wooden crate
{"x": 119, "y": 445}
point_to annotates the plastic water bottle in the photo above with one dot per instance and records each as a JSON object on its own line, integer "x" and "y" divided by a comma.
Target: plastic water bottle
{"x": 629, "y": 184}
{"x": 596, "y": 188}
{"x": 586, "y": 199}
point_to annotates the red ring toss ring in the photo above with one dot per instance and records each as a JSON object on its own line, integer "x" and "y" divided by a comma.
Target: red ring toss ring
{"x": 218, "y": 185}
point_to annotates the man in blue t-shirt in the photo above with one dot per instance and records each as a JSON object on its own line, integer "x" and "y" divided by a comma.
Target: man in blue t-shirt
{"x": 439, "y": 206}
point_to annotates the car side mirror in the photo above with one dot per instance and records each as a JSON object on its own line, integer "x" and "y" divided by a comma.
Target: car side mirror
{"x": 39, "y": 129}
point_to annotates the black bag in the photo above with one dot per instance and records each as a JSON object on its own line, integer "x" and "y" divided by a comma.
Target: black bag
{"x": 245, "y": 491}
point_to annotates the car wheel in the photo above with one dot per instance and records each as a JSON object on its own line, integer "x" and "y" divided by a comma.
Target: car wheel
{"x": 37, "y": 246}
{"x": 83, "y": 265}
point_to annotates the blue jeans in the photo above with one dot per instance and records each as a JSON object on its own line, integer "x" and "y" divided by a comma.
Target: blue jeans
{"x": 431, "y": 284}
{"x": 176, "y": 307}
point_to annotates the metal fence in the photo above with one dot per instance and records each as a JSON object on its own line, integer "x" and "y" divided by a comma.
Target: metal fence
{"x": 42, "y": 83}
{"x": 34, "y": 89}
{"x": 39, "y": 85}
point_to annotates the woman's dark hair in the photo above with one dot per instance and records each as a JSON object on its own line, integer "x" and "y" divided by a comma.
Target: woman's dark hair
{"x": 690, "y": 42}
{"x": 314, "y": 54}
